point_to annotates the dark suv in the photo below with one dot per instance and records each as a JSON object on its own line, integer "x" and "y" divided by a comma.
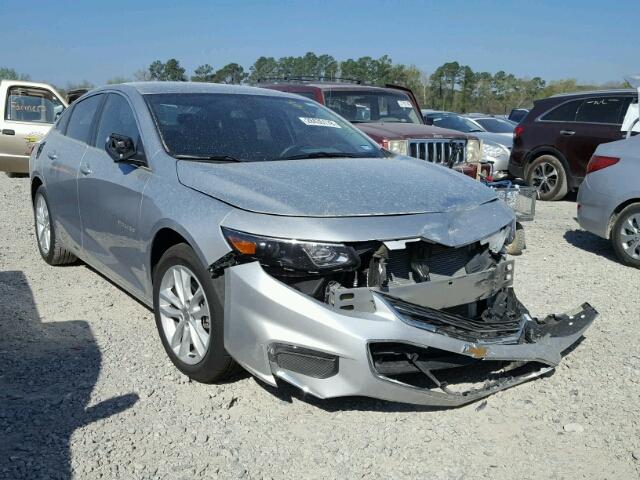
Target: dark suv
{"x": 555, "y": 141}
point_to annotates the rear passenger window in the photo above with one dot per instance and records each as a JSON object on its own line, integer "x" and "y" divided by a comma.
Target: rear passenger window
{"x": 116, "y": 117}
{"x": 564, "y": 113}
{"x": 601, "y": 110}
{"x": 82, "y": 118}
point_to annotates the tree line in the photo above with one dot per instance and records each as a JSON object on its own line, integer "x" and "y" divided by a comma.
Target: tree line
{"x": 452, "y": 86}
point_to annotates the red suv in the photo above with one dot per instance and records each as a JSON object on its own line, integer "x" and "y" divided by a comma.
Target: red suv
{"x": 391, "y": 116}
{"x": 554, "y": 142}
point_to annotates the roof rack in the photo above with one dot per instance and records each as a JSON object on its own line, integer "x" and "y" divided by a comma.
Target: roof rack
{"x": 308, "y": 79}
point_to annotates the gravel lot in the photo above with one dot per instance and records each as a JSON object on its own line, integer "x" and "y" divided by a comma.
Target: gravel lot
{"x": 86, "y": 390}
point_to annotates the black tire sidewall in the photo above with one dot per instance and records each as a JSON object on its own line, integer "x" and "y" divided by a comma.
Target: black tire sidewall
{"x": 561, "y": 188}
{"x": 615, "y": 235}
{"x": 52, "y": 230}
{"x": 216, "y": 361}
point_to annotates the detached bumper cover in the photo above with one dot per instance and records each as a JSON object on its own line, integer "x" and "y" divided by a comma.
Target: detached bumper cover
{"x": 272, "y": 329}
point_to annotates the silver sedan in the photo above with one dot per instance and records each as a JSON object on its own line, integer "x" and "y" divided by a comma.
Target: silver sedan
{"x": 609, "y": 197}
{"x": 266, "y": 231}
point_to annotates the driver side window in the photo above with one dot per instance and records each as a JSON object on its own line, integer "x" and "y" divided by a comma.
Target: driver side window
{"x": 117, "y": 117}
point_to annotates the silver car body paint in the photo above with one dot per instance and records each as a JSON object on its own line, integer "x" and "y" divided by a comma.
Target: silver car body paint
{"x": 602, "y": 192}
{"x": 109, "y": 213}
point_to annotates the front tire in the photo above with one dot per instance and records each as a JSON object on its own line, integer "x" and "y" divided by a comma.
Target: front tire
{"x": 49, "y": 244}
{"x": 548, "y": 175}
{"x": 189, "y": 314}
{"x": 625, "y": 236}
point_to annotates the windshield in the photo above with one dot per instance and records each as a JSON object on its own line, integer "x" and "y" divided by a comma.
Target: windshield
{"x": 495, "y": 125}
{"x": 372, "y": 106}
{"x": 454, "y": 122}
{"x": 239, "y": 127}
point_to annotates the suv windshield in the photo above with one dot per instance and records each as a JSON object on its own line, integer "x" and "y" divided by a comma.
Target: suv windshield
{"x": 240, "y": 127}
{"x": 453, "y": 122}
{"x": 372, "y": 106}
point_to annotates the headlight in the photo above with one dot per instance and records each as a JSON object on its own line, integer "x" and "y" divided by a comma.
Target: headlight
{"x": 474, "y": 150}
{"x": 493, "y": 150}
{"x": 292, "y": 254}
{"x": 401, "y": 147}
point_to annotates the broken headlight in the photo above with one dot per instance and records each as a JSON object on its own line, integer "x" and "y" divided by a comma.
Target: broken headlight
{"x": 292, "y": 254}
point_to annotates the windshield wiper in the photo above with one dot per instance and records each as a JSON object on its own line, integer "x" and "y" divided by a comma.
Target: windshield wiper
{"x": 302, "y": 156}
{"x": 208, "y": 158}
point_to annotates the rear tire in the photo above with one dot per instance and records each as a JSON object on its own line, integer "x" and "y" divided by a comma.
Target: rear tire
{"x": 548, "y": 175}
{"x": 189, "y": 312}
{"x": 49, "y": 245}
{"x": 625, "y": 236}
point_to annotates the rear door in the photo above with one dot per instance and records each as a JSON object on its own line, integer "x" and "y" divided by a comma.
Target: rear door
{"x": 59, "y": 163}
{"x": 110, "y": 195}
{"x": 576, "y": 127}
{"x": 28, "y": 114}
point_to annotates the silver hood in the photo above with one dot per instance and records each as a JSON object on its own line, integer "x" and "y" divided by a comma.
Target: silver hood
{"x": 342, "y": 187}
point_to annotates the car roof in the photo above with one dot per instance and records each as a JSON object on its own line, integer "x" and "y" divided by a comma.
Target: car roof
{"x": 145, "y": 88}
{"x": 617, "y": 91}
{"x": 332, "y": 86}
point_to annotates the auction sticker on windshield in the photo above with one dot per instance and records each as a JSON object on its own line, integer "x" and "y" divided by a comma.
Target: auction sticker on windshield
{"x": 319, "y": 122}
{"x": 405, "y": 104}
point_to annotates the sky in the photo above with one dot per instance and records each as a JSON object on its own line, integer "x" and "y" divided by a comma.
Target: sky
{"x": 61, "y": 41}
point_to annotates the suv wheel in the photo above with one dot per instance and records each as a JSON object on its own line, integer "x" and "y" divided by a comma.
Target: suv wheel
{"x": 48, "y": 243}
{"x": 190, "y": 317}
{"x": 625, "y": 236}
{"x": 547, "y": 174}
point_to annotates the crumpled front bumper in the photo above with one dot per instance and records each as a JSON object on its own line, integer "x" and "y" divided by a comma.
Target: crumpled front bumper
{"x": 263, "y": 315}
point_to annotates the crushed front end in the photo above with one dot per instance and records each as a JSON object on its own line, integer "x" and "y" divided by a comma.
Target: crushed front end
{"x": 410, "y": 321}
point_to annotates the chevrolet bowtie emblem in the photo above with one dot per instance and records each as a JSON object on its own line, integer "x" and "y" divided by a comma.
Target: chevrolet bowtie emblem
{"x": 475, "y": 351}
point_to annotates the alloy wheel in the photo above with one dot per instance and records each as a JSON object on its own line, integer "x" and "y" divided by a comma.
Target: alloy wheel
{"x": 544, "y": 177}
{"x": 630, "y": 236}
{"x": 43, "y": 225}
{"x": 185, "y": 314}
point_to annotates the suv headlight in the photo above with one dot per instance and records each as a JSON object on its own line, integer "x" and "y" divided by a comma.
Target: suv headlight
{"x": 474, "y": 147}
{"x": 401, "y": 147}
{"x": 292, "y": 254}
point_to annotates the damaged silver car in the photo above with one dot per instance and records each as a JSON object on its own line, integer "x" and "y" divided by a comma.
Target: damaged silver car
{"x": 267, "y": 232}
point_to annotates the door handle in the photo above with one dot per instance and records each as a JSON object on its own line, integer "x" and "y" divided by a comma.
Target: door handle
{"x": 8, "y": 131}
{"x": 52, "y": 156}
{"x": 567, "y": 133}
{"x": 85, "y": 169}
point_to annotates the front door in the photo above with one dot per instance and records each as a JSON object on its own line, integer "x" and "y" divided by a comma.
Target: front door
{"x": 110, "y": 195}
{"x": 29, "y": 113}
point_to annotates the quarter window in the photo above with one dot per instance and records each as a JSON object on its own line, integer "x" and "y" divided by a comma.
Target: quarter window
{"x": 116, "y": 117}
{"x": 564, "y": 113}
{"x": 33, "y": 105}
{"x": 82, "y": 118}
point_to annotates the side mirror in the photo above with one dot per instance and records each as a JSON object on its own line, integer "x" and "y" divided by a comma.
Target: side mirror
{"x": 120, "y": 147}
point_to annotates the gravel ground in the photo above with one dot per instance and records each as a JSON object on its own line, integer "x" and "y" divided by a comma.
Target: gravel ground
{"x": 86, "y": 390}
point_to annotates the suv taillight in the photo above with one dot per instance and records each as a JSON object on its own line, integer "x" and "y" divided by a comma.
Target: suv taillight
{"x": 598, "y": 162}
{"x": 518, "y": 131}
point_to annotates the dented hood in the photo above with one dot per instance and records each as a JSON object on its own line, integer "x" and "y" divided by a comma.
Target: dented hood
{"x": 340, "y": 187}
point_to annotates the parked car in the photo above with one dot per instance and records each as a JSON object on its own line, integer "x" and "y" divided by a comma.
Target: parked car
{"x": 496, "y": 147}
{"x": 609, "y": 197}
{"x": 518, "y": 114}
{"x": 391, "y": 116}
{"x": 554, "y": 143}
{"x": 264, "y": 229}
{"x": 496, "y": 125}
{"x": 27, "y": 111}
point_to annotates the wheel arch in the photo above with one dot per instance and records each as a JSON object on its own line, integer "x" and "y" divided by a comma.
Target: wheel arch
{"x": 165, "y": 238}
{"x": 36, "y": 182}
{"x": 616, "y": 212}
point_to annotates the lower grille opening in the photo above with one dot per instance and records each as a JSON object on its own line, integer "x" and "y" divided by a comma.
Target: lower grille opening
{"x": 451, "y": 372}
{"x": 303, "y": 360}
